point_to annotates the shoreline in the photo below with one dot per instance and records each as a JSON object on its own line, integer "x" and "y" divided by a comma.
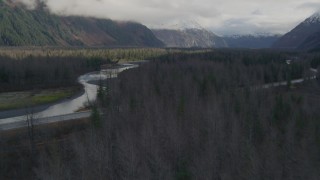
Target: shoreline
{"x": 37, "y": 108}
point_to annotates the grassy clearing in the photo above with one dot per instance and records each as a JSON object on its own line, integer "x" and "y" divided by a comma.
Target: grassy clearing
{"x": 15, "y": 100}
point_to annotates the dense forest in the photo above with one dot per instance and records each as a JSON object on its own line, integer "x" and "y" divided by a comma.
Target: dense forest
{"x": 44, "y": 72}
{"x": 192, "y": 116}
{"x": 116, "y": 54}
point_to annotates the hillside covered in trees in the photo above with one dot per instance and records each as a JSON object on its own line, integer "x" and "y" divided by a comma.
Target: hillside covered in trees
{"x": 22, "y": 27}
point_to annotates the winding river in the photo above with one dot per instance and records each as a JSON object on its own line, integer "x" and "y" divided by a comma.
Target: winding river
{"x": 70, "y": 106}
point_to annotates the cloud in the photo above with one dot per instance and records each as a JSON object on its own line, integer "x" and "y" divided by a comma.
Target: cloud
{"x": 257, "y": 12}
{"x": 315, "y": 6}
{"x": 222, "y": 16}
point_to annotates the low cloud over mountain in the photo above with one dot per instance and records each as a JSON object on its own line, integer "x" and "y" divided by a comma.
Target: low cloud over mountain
{"x": 221, "y": 16}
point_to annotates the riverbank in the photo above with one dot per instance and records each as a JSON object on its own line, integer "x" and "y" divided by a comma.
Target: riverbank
{"x": 21, "y": 99}
{"x": 18, "y": 103}
{"x": 67, "y": 106}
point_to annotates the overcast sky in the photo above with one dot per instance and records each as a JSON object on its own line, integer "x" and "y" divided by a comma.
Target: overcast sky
{"x": 221, "y": 16}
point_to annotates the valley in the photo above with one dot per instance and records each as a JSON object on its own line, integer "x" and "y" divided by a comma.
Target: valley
{"x": 175, "y": 90}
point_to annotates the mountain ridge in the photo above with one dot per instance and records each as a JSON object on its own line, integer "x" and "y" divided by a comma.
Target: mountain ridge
{"x": 252, "y": 41}
{"x": 22, "y": 27}
{"x": 302, "y": 35}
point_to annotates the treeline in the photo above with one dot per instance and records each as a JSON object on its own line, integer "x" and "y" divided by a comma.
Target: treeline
{"x": 266, "y": 66}
{"x": 44, "y": 72}
{"x": 186, "y": 119}
{"x": 116, "y": 54}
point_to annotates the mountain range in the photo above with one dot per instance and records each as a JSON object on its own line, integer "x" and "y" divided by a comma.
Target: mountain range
{"x": 305, "y": 36}
{"x": 22, "y": 27}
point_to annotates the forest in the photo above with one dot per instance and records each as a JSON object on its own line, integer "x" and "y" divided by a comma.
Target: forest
{"x": 190, "y": 116}
{"x": 44, "y": 72}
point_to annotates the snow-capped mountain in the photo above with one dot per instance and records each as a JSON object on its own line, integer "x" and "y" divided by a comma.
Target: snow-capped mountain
{"x": 252, "y": 41}
{"x": 304, "y": 36}
{"x": 189, "y": 37}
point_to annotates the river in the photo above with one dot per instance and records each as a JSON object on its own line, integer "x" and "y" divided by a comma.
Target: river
{"x": 70, "y": 106}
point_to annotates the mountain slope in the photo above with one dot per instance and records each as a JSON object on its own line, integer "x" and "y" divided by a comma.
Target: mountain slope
{"x": 22, "y": 27}
{"x": 312, "y": 42}
{"x": 251, "y": 41}
{"x": 302, "y": 36}
{"x": 189, "y": 38}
